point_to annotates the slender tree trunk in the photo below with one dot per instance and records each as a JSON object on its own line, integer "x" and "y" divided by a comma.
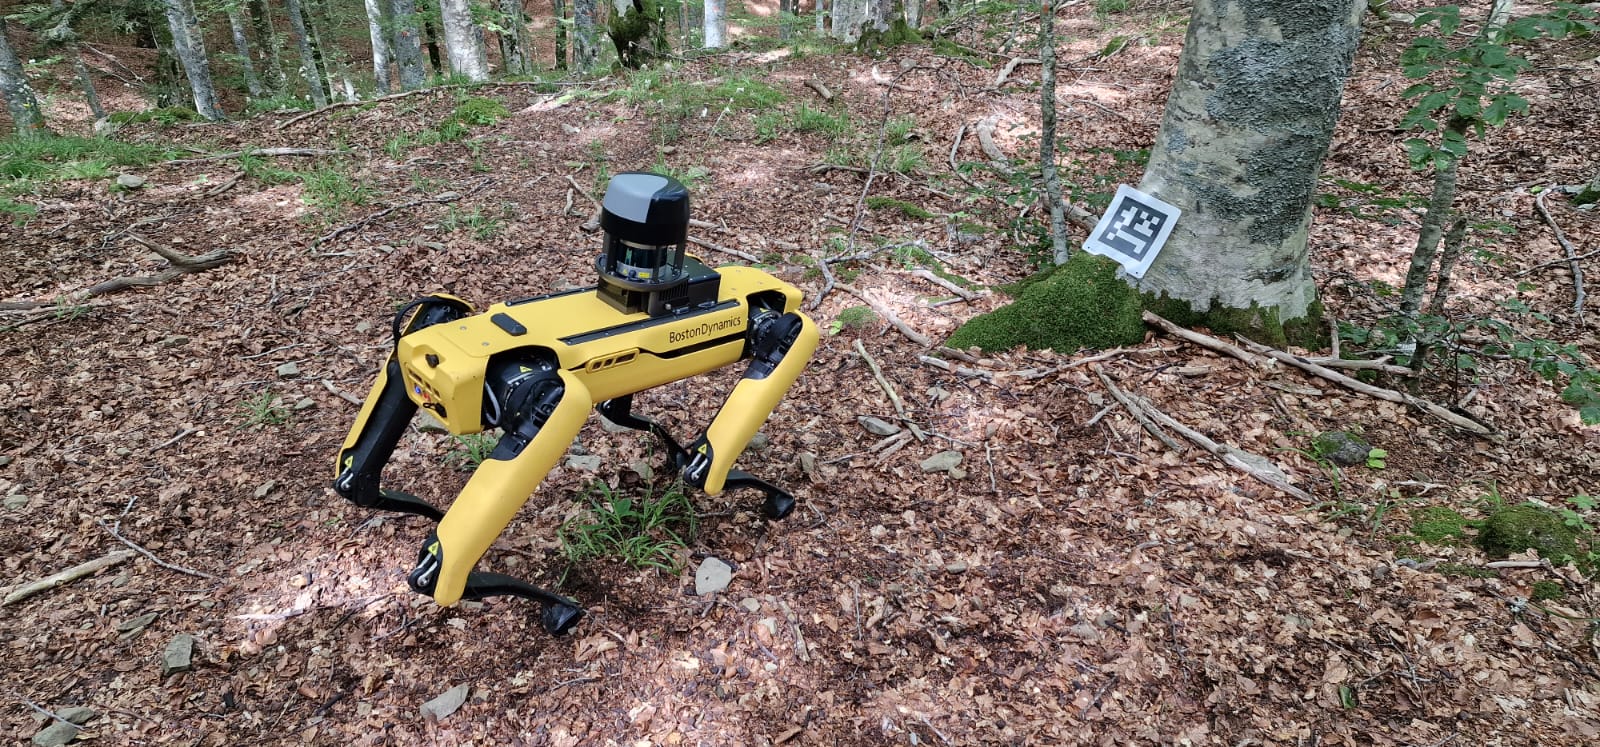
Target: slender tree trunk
{"x": 1047, "y": 138}
{"x": 267, "y": 45}
{"x": 1439, "y": 210}
{"x": 461, "y": 41}
{"x": 1499, "y": 13}
{"x": 407, "y": 44}
{"x": 189, "y": 41}
{"x": 434, "y": 58}
{"x": 308, "y": 57}
{"x": 376, "y": 20}
{"x": 716, "y": 24}
{"x": 559, "y": 11}
{"x": 26, "y": 116}
{"x": 585, "y": 33}
{"x": 329, "y": 55}
{"x": 914, "y": 13}
{"x": 151, "y": 31}
{"x": 1246, "y": 128}
{"x": 63, "y": 35}
{"x": 822, "y": 17}
{"x": 514, "y": 48}
{"x": 241, "y": 44}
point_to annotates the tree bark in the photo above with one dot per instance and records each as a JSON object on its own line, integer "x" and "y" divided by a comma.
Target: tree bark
{"x": 189, "y": 42}
{"x": 329, "y": 55}
{"x": 638, "y": 30}
{"x": 585, "y": 33}
{"x": 241, "y": 45}
{"x": 716, "y": 23}
{"x": 514, "y": 47}
{"x": 376, "y": 20}
{"x": 559, "y": 11}
{"x": 461, "y": 41}
{"x": 308, "y": 57}
{"x": 26, "y": 116}
{"x": 407, "y": 44}
{"x": 1047, "y": 138}
{"x": 267, "y": 43}
{"x": 1246, "y": 128}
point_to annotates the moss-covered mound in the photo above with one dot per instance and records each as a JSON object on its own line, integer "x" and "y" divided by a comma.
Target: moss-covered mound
{"x": 1081, "y": 304}
{"x": 1528, "y": 526}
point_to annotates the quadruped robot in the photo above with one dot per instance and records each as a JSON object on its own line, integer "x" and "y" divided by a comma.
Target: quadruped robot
{"x": 534, "y": 368}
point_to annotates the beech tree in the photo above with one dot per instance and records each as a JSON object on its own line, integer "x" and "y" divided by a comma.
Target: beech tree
{"x": 716, "y": 23}
{"x": 585, "y": 33}
{"x": 462, "y": 41}
{"x": 188, "y": 41}
{"x": 21, "y": 102}
{"x": 377, "y": 19}
{"x": 407, "y": 44}
{"x": 308, "y": 58}
{"x": 241, "y": 44}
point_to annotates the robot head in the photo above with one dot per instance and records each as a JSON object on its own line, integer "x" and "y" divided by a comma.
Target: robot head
{"x": 646, "y": 222}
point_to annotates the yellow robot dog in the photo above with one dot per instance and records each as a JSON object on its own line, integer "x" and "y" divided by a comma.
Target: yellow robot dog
{"x": 534, "y": 368}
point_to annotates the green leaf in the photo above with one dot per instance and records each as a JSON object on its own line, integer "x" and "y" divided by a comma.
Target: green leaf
{"x": 1416, "y": 89}
{"x": 1584, "y": 502}
{"x": 1419, "y": 151}
{"x": 1590, "y": 414}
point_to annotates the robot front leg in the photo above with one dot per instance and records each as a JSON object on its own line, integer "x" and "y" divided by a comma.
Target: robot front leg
{"x": 543, "y": 412}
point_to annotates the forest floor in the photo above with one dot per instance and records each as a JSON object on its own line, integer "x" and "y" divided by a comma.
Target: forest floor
{"x": 1075, "y": 581}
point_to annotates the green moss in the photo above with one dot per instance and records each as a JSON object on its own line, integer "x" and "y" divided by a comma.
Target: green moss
{"x": 170, "y": 115}
{"x": 1259, "y": 323}
{"x": 479, "y": 111}
{"x": 1437, "y": 525}
{"x": 911, "y": 210}
{"x": 899, "y": 32}
{"x": 638, "y": 33}
{"x": 1547, "y": 591}
{"x": 1528, "y": 526}
{"x": 1080, "y": 304}
{"x": 857, "y": 317}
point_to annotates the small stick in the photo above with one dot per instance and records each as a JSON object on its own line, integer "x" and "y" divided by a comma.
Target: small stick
{"x": 67, "y": 576}
{"x": 751, "y": 258}
{"x": 1206, "y": 341}
{"x": 173, "y": 440}
{"x": 821, "y": 90}
{"x": 1516, "y": 564}
{"x": 894, "y": 398}
{"x": 342, "y": 394}
{"x": 928, "y": 275}
{"x": 147, "y": 554}
{"x": 883, "y": 311}
{"x": 1139, "y": 414}
{"x": 955, "y": 369}
{"x": 799, "y": 638}
{"x": 1572, "y": 256}
{"x": 828, "y": 281}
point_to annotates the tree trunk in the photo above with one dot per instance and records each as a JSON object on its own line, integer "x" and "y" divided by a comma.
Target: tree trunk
{"x": 331, "y": 57}
{"x": 822, "y": 17}
{"x": 26, "y": 116}
{"x": 241, "y": 44}
{"x": 1047, "y": 138}
{"x": 267, "y": 43}
{"x": 914, "y": 13}
{"x": 559, "y": 11}
{"x": 1247, "y": 126}
{"x": 308, "y": 57}
{"x": 716, "y": 23}
{"x": 1499, "y": 13}
{"x": 407, "y": 44}
{"x": 849, "y": 17}
{"x": 376, "y": 21}
{"x": 461, "y": 41}
{"x": 514, "y": 47}
{"x": 1439, "y": 210}
{"x": 189, "y": 42}
{"x": 585, "y": 33}
{"x": 638, "y": 30}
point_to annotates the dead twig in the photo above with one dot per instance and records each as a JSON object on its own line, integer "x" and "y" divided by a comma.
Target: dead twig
{"x": 164, "y": 444}
{"x": 945, "y": 365}
{"x": 265, "y": 152}
{"x": 890, "y": 316}
{"x": 346, "y": 104}
{"x": 751, "y": 258}
{"x": 1139, "y": 414}
{"x": 441, "y": 199}
{"x": 894, "y": 397}
{"x": 69, "y": 575}
{"x": 342, "y": 394}
{"x": 1572, "y": 256}
{"x": 158, "y": 561}
{"x": 928, "y": 275}
{"x": 1206, "y": 341}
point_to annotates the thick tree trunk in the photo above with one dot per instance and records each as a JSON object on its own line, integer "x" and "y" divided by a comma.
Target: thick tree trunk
{"x": 514, "y": 47}
{"x": 189, "y": 42}
{"x": 1245, "y": 131}
{"x": 850, "y": 17}
{"x": 585, "y": 33}
{"x": 26, "y": 116}
{"x": 638, "y": 30}
{"x": 241, "y": 44}
{"x": 308, "y": 57}
{"x": 1047, "y": 137}
{"x": 267, "y": 45}
{"x": 407, "y": 44}
{"x": 461, "y": 41}
{"x": 914, "y": 13}
{"x": 376, "y": 20}
{"x": 716, "y": 23}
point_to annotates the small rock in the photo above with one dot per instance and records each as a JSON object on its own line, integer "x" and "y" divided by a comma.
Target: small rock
{"x": 587, "y": 462}
{"x": 1341, "y": 448}
{"x": 1380, "y": 572}
{"x": 428, "y": 423}
{"x": 441, "y": 707}
{"x": 134, "y": 626}
{"x": 179, "y": 656}
{"x": 610, "y": 427}
{"x": 808, "y": 465}
{"x": 123, "y": 451}
{"x": 713, "y": 576}
{"x": 1086, "y": 631}
{"x": 16, "y": 502}
{"x": 959, "y": 566}
{"x": 643, "y": 469}
{"x": 4, "y": 460}
{"x": 55, "y": 735}
{"x": 288, "y": 370}
{"x": 79, "y": 715}
{"x": 130, "y": 181}
{"x": 759, "y": 441}
{"x": 305, "y": 403}
{"x": 363, "y": 327}
{"x": 878, "y": 427}
{"x": 750, "y": 604}
{"x": 957, "y": 473}
{"x": 266, "y": 488}
{"x": 941, "y": 462}
{"x": 937, "y": 394}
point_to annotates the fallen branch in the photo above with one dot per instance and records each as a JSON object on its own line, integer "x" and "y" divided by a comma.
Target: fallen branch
{"x": 1389, "y": 395}
{"x": 342, "y": 394}
{"x": 182, "y": 264}
{"x": 887, "y": 314}
{"x": 894, "y": 397}
{"x": 67, "y": 576}
{"x": 441, "y": 199}
{"x": 1011, "y": 67}
{"x": 821, "y": 90}
{"x": 751, "y": 258}
{"x": 928, "y": 275}
{"x": 828, "y": 281}
{"x": 346, "y": 104}
{"x": 1138, "y": 413}
{"x": 267, "y": 152}
{"x": 945, "y": 365}
{"x": 164, "y": 444}
{"x": 147, "y": 553}
{"x": 1257, "y": 467}
{"x": 1206, "y": 341}
{"x": 985, "y": 131}
{"x": 1572, "y": 256}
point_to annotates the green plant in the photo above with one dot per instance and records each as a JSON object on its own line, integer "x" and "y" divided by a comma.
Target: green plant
{"x": 477, "y": 111}
{"x": 331, "y": 190}
{"x": 470, "y": 450}
{"x": 1107, "y": 7}
{"x": 909, "y": 209}
{"x": 262, "y": 170}
{"x": 482, "y": 225}
{"x": 808, "y": 119}
{"x": 646, "y": 531}
{"x": 1376, "y": 457}
{"x": 264, "y": 409}
{"x": 854, "y": 318}
{"x": 166, "y": 116}
{"x": 68, "y": 308}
